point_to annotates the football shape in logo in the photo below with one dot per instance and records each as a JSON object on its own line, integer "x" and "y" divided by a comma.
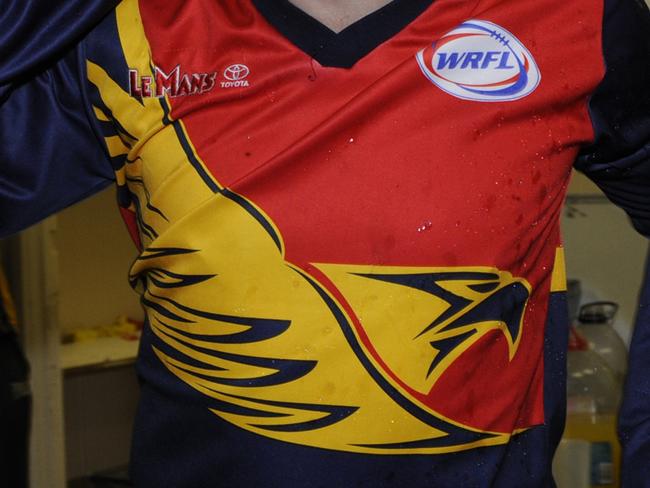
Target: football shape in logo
{"x": 481, "y": 61}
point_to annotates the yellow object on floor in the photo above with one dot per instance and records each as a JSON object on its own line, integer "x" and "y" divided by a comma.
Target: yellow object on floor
{"x": 124, "y": 328}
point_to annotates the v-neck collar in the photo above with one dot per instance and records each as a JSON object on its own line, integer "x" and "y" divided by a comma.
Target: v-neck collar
{"x": 343, "y": 49}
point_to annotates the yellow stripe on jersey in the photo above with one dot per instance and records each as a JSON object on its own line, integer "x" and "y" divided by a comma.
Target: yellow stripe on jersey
{"x": 100, "y": 115}
{"x": 558, "y": 279}
{"x": 116, "y": 146}
{"x": 156, "y": 156}
{"x": 137, "y": 53}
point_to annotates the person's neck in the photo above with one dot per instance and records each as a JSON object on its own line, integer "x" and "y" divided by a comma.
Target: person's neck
{"x": 338, "y": 14}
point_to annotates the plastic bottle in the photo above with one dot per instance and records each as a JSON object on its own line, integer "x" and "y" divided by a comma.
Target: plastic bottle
{"x": 593, "y": 395}
{"x": 595, "y": 324}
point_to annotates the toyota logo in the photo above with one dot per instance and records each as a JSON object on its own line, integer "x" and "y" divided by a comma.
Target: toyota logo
{"x": 236, "y": 72}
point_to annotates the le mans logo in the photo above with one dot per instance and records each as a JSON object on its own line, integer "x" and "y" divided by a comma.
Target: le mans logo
{"x": 178, "y": 83}
{"x": 480, "y": 61}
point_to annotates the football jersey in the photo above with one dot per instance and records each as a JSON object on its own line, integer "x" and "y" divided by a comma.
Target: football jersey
{"x": 350, "y": 258}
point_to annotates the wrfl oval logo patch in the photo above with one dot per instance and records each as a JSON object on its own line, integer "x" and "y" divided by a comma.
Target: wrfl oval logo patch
{"x": 479, "y": 60}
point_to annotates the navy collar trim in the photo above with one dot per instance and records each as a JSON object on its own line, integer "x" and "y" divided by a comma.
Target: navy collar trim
{"x": 343, "y": 49}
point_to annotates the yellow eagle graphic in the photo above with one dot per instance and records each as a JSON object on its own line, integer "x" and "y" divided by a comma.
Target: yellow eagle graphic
{"x": 277, "y": 354}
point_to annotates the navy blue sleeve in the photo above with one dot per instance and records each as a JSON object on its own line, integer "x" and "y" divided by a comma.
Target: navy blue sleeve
{"x": 619, "y": 163}
{"x": 619, "y": 159}
{"x": 35, "y": 32}
{"x": 50, "y": 153}
{"x": 634, "y": 417}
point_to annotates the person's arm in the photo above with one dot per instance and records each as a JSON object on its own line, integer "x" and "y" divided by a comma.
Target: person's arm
{"x": 50, "y": 156}
{"x": 619, "y": 163}
{"x": 634, "y": 417}
{"x": 619, "y": 159}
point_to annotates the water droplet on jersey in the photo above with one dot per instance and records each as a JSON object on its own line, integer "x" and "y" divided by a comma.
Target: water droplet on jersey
{"x": 558, "y": 147}
{"x": 425, "y": 226}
